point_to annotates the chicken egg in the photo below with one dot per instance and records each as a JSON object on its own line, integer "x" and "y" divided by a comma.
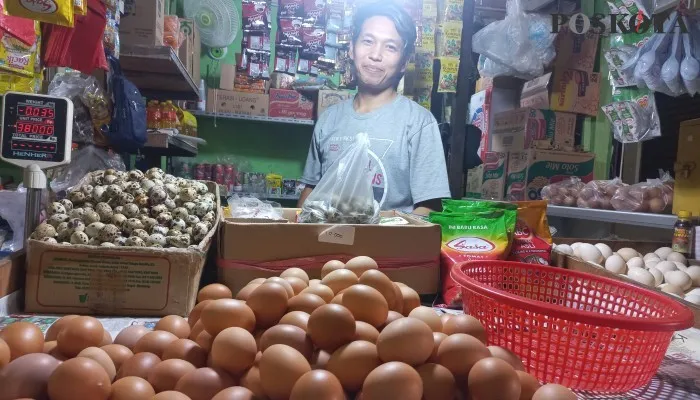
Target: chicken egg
{"x": 340, "y": 280}
{"x": 411, "y": 300}
{"x": 604, "y": 249}
{"x": 154, "y": 342}
{"x": 79, "y": 378}
{"x": 365, "y": 331}
{"x": 196, "y": 312}
{"x": 204, "y": 383}
{"x": 170, "y": 395}
{"x": 233, "y": 350}
{"x": 269, "y": 303}
{"x": 27, "y": 376}
{"x": 174, "y": 324}
{"x": 429, "y": 316}
{"x": 188, "y": 350}
{"x": 234, "y": 393}
{"x": 438, "y": 382}
{"x": 295, "y": 272}
{"x": 130, "y": 335}
{"x": 317, "y": 384}
{"x": 492, "y": 378}
{"x": 281, "y": 367}
{"x": 393, "y": 380}
{"x": 528, "y": 385}
{"x": 352, "y": 363}
{"x": 214, "y": 291}
{"x": 553, "y": 391}
{"x": 132, "y": 388}
{"x": 616, "y": 264}
{"x": 23, "y": 338}
{"x": 382, "y": 283}
{"x": 321, "y": 291}
{"x": 360, "y": 264}
{"x": 138, "y": 365}
{"x": 102, "y": 358}
{"x": 331, "y": 266}
{"x": 459, "y": 352}
{"x": 296, "y": 318}
{"x": 331, "y": 326}
{"x": 165, "y": 375}
{"x": 407, "y": 340}
{"x": 507, "y": 356}
{"x": 56, "y": 327}
{"x": 306, "y": 302}
{"x": 226, "y": 313}
{"x": 289, "y": 335}
{"x": 366, "y": 304}
{"x": 464, "y": 323}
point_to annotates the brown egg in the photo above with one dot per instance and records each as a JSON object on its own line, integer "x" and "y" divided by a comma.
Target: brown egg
{"x": 23, "y": 338}
{"x": 365, "y": 331}
{"x": 398, "y": 303}
{"x": 258, "y": 335}
{"x": 493, "y": 378}
{"x": 79, "y": 378}
{"x": 438, "y": 337}
{"x": 331, "y": 326}
{"x": 130, "y": 335}
{"x": 79, "y": 334}
{"x": 352, "y": 363}
{"x": 235, "y": 393}
{"x": 205, "y": 340}
{"x": 438, "y": 382}
{"x": 382, "y": 283}
{"x": 101, "y": 357}
{"x": 234, "y": 350}
{"x": 257, "y": 281}
{"x": 366, "y": 304}
{"x": 188, "y": 350}
{"x": 296, "y": 283}
{"x": 317, "y": 384}
{"x": 204, "y": 383}
{"x": 553, "y": 391}
{"x": 393, "y": 380}
{"x": 528, "y": 385}
{"x": 314, "y": 282}
{"x": 244, "y": 293}
{"x": 138, "y": 365}
{"x": 306, "y": 302}
{"x": 340, "y": 280}
{"x": 106, "y": 338}
{"x": 507, "y": 356}
{"x": 407, "y": 340}
{"x": 429, "y": 316}
{"x": 444, "y": 318}
{"x": 331, "y": 266}
{"x": 213, "y": 292}
{"x": 27, "y": 376}
{"x": 154, "y": 342}
{"x": 391, "y": 317}
{"x": 296, "y": 273}
{"x": 5, "y": 353}
{"x": 48, "y": 348}
{"x": 289, "y": 335}
{"x": 360, "y": 264}
{"x": 338, "y": 299}
{"x": 283, "y": 282}
{"x": 174, "y": 324}
{"x": 464, "y": 323}
{"x": 197, "y": 329}
{"x": 165, "y": 375}
{"x": 132, "y": 388}
{"x": 251, "y": 381}
{"x": 56, "y": 327}
{"x": 411, "y": 300}
{"x": 280, "y": 368}
{"x": 118, "y": 354}
{"x": 196, "y": 312}
{"x": 321, "y": 291}
{"x": 296, "y": 318}
{"x": 269, "y": 304}
{"x": 459, "y": 353}
{"x": 170, "y": 395}
{"x": 226, "y": 313}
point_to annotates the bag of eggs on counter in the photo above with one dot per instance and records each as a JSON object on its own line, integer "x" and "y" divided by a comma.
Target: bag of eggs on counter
{"x": 598, "y": 194}
{"x": 653, "y": 196}
{"x": 532, "y": 240}
{"x": 563, "y": 193}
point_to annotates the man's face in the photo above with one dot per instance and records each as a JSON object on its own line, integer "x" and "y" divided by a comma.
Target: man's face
{"x": 377, "y": 54}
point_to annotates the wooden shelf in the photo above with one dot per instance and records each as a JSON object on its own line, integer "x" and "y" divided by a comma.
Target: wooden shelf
{"x": 279, "y": 120}
{"x": 165, "y": 145}
{"x": 158, "y": 73}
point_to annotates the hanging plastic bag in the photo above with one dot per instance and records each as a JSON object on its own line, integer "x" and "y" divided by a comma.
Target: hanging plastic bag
{"x": 648, "y": 67}
{"x": 58, "y": 12}
{"x": 671, "y": 68}
{"x": 690, "y": 67}
{"x": 633, "y": 115}
{"x": 344, "y": 194}
{"x": 83, "y": 161}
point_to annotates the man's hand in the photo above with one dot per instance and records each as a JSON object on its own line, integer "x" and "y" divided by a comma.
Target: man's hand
{"x": 304, "y": 194}
{"x": 426, "y": 207}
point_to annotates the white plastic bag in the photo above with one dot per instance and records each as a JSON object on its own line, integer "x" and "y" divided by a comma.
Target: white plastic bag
{"x": 83, "y": 161}
{"x": 252, "y": 207}
{"x": 344, "y": 194}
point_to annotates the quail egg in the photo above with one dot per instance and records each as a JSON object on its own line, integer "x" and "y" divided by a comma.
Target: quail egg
{"x": 180, "y": 241}
{"x": 79, "y": 238}
{"x": 131, "y": 210}
{"x": 135, "y": 241}
{"x": 67, "y": 204}
{"x": 145, "y": 212}
{"x": 170, "y": 204}
{"x": 157, "y": 195}
{"x": 209, "y": 216}
{"x": 170, "y": 179}
{"x": 77, "y": 213}
{"x": 164, "y": 218}
{"x": 189, "y": 206}
{"x": 76, "y": 197}
{"x": 119, "y": 241}
{"x": 87, "y": 189}
{"x": 199, "y": 231}
{"x": 171, "y": 189}
{"x": 98, "y": 178}
{"x": 110, "y": 171}
{"x": 99, "y": 193}
{"x": 131, "y": 187}
{"x": 160, "y": 229}
{"x": 180, "y": 212}
{"x": 157, "y": 210}
{"x": 135, "y": 175}
{"x": 63, "y": 226}
{"x": 188, "y": 194}
{"x": 192, "y": 219}
{"x": 122, "y": 175}
{"x": 155, "y": 173}
{"x": 110, "y": 179}
{"x": 118, "y": 220}
{"x": 125, "y": 198}
{"x": 57, "y": 219}
{"x": 200, "y": 187}
{"x": 156, "y": 238}
{"x": 108, "y": 233}
{"x": 182, "y": 182}
{"x": 75, "y": 225}
{"x": 147, "y": 184}
{"x": 64, "y": 235}
{"x": 174, "y": 232}
{"x": 140, "y": 233}
{"x": 94, "y": 229}
{"x": 105, "y": 211}
{"x": 188, "y": 231}
{"x": 90, "y": 217}
{"x": 178, "y": 223}
{"x": 149, "y": 223}
{"x": 208, "y": 224}
{"x": 200, "y": 209}
{"x": 44, "y": 230}
{"x": 210, "y": 196}
{"x": 158, "y": 182}
{"x": 56, "y": 208}
{"x": 141, "y": 201}
{"x": 88, "y": 206}
{"x": 49, "y": 240}
{"x": 131, "y": 225}
{"x": 94, "y": 242}
{"x": 108, "y": 244}
{"x": 113, "y": 191}
{"x": 118, "y": 209}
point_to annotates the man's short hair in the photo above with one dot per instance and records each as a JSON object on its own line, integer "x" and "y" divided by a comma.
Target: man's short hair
{"x": 402, "y": 21}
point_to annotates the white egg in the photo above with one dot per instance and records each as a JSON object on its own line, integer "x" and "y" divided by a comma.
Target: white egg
{"x": 680, "y": 265}
{"x": 627, "y": 253}
{"x": 605, "y": 250}
{"x": 692, "y": 298}
{"x": 616, "y": 264}
{"x": 672, "y": 289}
{"x": 565, "y": 249}
{"x": 673, "y": 256}
{"x": 666, "y": 266}
{"x": 651, "y": 256}
{"x": 658, "y": 276}
{"x": 678, "y": 278}
{"x": 641, "y": 275}
{"x": 662, "y": 252}
{"x": 694, "y": 273}
{"x": 590, "y": 253}
{"x": 636, "y": 262}
{"x": 651, "y": 263}
{"x": 574, "y": 246}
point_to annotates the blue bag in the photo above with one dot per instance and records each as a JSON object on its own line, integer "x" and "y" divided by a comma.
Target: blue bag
{"x": 127, "y": 132}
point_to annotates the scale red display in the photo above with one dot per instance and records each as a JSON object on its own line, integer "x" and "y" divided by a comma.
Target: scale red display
{"x": 34, "y": 127}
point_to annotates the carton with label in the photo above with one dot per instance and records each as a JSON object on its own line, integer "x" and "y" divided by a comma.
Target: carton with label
{"x": 232, "y": 102}
{"x": 567, "y": 90}
{"x": 475, "y": 177}
{"x": 577, "y": 51}
{"x": 501, "y": 96}
{"x": 142, "y": 23}
{"x": 494, "y": 181}
{"x": 530, "y": 170}
{"x": 290, "y": 104}
{"x": 327, "y": 98}
{"x": 191, "y": 48}
{"x": 527, "y": 128}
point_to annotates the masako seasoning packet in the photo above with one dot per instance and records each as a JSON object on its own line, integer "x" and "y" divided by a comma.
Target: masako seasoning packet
{"x": 532, "y": 241}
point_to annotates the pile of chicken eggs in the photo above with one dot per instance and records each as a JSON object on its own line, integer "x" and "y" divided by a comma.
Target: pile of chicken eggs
{"x": 664, "y": 269}
{"x": 118, "y": 208}
{"x": 354, "y": 334}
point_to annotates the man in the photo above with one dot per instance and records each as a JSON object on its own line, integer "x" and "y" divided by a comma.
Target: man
{"x": 403, "y": 135}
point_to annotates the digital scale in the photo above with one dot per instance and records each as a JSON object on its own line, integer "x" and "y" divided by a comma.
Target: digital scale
{"x": 36, "y": 133}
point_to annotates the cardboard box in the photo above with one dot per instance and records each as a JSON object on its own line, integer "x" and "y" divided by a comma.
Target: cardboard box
{"x": 475, "y": 178}
{"x": 228, "y": 76}
{"x": 250, "y": 249}
{"x": 142, "y": 23}
{"x": 290, "y": 104}
{"x": 191, "y": 49}
{"x": 494, "y": 182}
{"x": 12, "y": 273}
{"x": 98, "y": 280}
{"x": 576, "y": 51}
{"x": 231, "y": 102}
{"x": 527, "y": 128}
{"x": 530, "y": 170}
{"x": 327, "y": 98}
{"x": 568, "y": 90}
{"x": 501, "y": 96}
{"x": 686, "y": 193}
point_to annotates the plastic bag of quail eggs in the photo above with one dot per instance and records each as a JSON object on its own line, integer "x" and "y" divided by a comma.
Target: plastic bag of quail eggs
{"x": 83, "y": 160}
{"x": 12, "y": 209}
{"x": 344, "y": 194}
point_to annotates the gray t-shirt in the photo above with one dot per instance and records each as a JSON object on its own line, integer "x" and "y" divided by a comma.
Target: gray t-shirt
{"x": 403, "y": 135}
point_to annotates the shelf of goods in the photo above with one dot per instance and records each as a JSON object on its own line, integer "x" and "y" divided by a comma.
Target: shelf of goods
{"x": 166, "y": 145}
{"x": 663, "y": 221}
{"x": 279, "y": 120}
{"x": 158, "y": 72}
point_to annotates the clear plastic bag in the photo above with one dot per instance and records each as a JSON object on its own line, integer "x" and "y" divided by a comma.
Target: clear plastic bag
{"x": 12, "y": 209}
{"x": 83, "y": 161}
{"x": 633, "y": 115}
{"x": 599, "y": 194}
{"x": 653, "y": 196}
{"x": 73, "y": 85}
{"x": 251, "y": 207}
{"x": 563, "y": 193}
{"x": 344, "y": 194}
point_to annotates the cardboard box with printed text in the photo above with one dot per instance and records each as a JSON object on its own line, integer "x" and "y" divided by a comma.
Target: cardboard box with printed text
{"x": 233, "y": 102}
{"x": 142, "y": 23}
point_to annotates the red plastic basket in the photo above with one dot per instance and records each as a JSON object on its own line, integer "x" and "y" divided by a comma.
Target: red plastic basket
{"x": 580, "y": 330}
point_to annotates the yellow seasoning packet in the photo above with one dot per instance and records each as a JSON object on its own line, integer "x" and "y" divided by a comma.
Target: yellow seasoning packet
{"x": 58, "y": 12}
{"x": 16, "y": 56}
{"x": 80, "y": 7}
{"x": 450, "y": 39}
{"x": 449, "y": 67}
{"x": 424, "y": 69}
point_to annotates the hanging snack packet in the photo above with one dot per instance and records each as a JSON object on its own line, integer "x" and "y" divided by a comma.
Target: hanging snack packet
{"x": 449, "y": 67}
{"x": 633, "y": 115}
{"x": 314, "y": 40}
{"x": 258, "y": 63}
{"x": 291, "y": 8}
{"x": 469, "y": 237}
{"x": 286, "y": 60}
{"x": 58, "y": 12}
{"x": 256, "y": 41}
{"x": 289, "y": 32}
{"x": 450, "y": 39}
{"x": 255, "y": 15}
{"x": 80, "y": 7}
{"x": 18, "y": 57}
{"x": 315, "y": 12}
{"x": 532, "y": 242}
{"x": 451, "y": 10}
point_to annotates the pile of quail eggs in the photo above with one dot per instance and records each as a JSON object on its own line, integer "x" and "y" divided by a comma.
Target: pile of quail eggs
{"x": 117, "y": 208}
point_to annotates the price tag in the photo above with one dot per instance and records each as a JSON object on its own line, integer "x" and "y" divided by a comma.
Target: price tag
{"x": 338, "y": 234}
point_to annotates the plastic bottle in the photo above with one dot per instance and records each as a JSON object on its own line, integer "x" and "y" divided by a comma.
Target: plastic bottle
{"x": 169, "y": 114}
{"x": 683, "y": 230}
{"x": 153, "y": 115}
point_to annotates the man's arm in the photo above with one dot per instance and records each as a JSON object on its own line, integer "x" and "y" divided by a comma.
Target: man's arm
{"x": 428, "y": 171}
{"x": 312, "y": 169}
{"x": 304, "y": 194}
{"x": 424, "y": 208}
